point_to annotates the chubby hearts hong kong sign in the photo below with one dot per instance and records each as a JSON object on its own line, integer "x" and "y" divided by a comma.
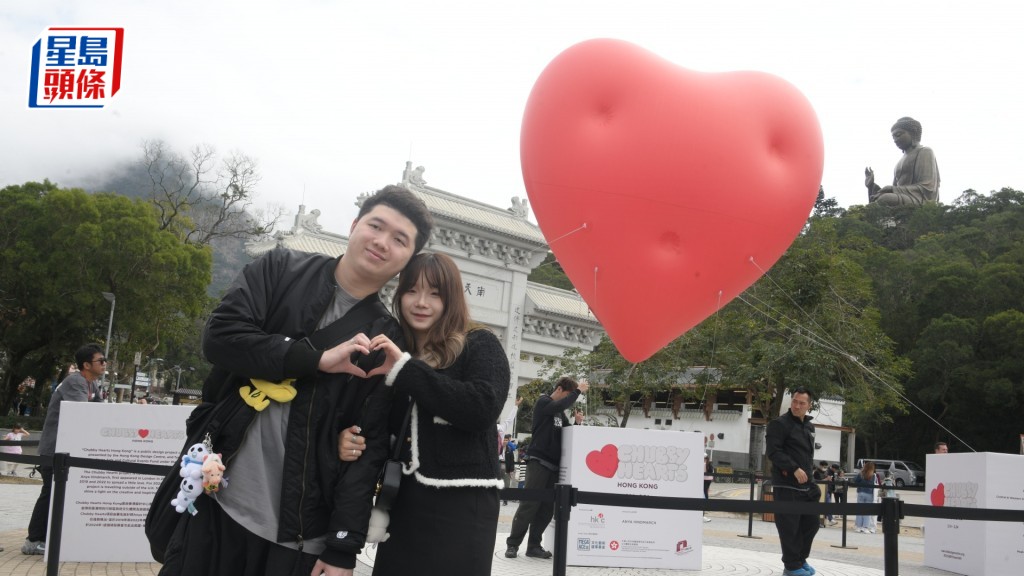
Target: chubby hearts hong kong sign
{"x": 634, "y": 462}
{"x": 640, "y": 466}
{"x": 645, "y": 462}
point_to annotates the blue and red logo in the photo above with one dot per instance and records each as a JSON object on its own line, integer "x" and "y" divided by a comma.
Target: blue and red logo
{"x": 76, "y": 67}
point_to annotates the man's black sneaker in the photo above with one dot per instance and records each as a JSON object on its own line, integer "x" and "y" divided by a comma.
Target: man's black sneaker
{"x": 511, "y": 552}
{"x": 537, "y": 552}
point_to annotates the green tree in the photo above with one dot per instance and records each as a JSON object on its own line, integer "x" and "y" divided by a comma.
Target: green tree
{"x": 950, "y": 285}
{"x": 60, "y": 250}
{"x": 812, "y": 322}
{"x": 550, "y": 273}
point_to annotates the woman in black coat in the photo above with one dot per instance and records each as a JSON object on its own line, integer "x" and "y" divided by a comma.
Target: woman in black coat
{"x": 457, "y": 378}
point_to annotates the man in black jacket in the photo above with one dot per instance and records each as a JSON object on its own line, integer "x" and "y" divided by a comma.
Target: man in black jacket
{"x": 291, "y": 507}
{"x": 789, "y": 444}
{"x": 542, "y": 468}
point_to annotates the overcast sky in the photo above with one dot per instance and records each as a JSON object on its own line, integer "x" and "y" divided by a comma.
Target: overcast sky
{"x": 332, "y": 97}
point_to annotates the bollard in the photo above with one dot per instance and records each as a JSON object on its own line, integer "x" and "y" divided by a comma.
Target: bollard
{"x": 60, "y": 485}
{"x": 891, "y": 512}
{"x": 564, "y": 501}
{"x": 750, "y": 515}
{"x": 846, "y": 493}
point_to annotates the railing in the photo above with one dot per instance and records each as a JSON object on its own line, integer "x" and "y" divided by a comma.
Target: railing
{"x": 565, "y": 497}
{"x": 62, "y": 464}
{"x": 891, "y": 510}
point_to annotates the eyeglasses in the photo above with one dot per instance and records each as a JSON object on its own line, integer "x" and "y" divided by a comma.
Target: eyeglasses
{"x": 100, "y": 360}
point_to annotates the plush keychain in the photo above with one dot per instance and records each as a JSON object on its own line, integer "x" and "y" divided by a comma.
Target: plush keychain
{"x": 213, "y": 473}
{"x": 201, "y": 470}
{"x": 190, "y": 490}
{"x": 192, "y": 461}
{"x": 378, "y": 529}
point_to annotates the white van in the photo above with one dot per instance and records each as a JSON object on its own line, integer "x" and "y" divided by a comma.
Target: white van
{"x": 904, "y": 472}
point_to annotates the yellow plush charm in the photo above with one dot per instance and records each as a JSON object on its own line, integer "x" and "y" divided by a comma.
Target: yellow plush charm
{"x": 262, "y": 392}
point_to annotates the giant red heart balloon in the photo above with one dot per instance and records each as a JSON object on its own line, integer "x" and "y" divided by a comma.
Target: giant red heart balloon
{"x": 664, "y": 192}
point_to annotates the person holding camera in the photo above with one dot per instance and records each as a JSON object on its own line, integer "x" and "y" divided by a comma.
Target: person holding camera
{"x": 542, "y": 469}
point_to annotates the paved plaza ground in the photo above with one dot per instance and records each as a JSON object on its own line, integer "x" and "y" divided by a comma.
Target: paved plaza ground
{"x": 724, "y": 551}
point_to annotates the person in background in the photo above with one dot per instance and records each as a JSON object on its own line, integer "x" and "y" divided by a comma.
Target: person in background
{"x": 16, "y": 434}
{"x": 509, "y": 463}
{"x": 941, "y": 448}
{"x": 834, "y": 479}
{"x": 709, "y": 477}
{"x": 79, "y": 386}
{"x": 821, "y": 477}
{"x": 865, "y": 483}
{"x": 542, "y": 469}
{"x": 504, "y": 439}
{"x": 523, "y": 457}
{"x": 789, "y": 443}
{"x": 889, "y": 484}
{"x": 456, "y": 376}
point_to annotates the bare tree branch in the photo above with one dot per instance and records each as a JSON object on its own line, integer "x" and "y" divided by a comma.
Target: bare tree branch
{"x": 202, "y": 197}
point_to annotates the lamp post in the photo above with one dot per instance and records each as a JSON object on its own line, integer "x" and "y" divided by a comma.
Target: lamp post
{"x": 106, "y": 352}
{"x": 177, "y": 383}
{"x": 152, "y": 380}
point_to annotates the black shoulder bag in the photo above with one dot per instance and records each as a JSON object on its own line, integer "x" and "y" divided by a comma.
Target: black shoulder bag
{"x": 391, "y": 475}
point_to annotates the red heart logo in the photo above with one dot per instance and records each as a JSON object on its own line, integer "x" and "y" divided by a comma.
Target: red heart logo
{"x": 605, "y": 462}
{"x": 143, "y": 432}
{"x": 664, "y": 192}
{"x": 939, "y": 495}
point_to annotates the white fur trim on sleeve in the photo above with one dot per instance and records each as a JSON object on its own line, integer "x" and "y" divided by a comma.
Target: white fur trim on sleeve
{"x": 393, "y": 374}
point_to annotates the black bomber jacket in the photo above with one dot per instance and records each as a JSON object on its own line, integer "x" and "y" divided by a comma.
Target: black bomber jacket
{"x": 258, "y": 331}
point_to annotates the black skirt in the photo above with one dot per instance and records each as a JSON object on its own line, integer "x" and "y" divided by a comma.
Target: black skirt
{"x": 439, "y": 531}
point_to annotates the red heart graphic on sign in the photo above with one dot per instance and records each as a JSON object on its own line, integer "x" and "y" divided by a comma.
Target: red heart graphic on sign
{"x": 664, "y": 192}
{"x": 939, "y": 495}
{"x": 605, "y": 462}
{"x": 143, "y": 432}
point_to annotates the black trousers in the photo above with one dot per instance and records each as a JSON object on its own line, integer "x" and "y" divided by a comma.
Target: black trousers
{"x": 796, "y": 531}
{"x": 40, "y": 520}
{"x": 212, "y": 544}
{"x": 533, "y": 515}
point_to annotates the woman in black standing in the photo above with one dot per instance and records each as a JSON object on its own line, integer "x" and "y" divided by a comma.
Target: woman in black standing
{"x": 444, "y": 519}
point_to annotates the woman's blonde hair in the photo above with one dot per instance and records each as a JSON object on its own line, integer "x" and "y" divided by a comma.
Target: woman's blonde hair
{"x": 447, "y": 336}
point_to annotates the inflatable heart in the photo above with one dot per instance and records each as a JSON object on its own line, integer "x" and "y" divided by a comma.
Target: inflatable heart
{"x": 664, "y": 192}
{"x": 605, "y": 462}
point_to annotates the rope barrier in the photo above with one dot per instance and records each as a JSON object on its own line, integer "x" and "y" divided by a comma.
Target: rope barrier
{"x": 565, "y": 497}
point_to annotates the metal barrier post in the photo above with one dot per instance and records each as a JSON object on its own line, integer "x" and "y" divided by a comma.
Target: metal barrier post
{"x": 891, "y": 512}
{"x": 56, "y": 527}
{"x": 846, "y": 500}
{"x": 564, "y": 502}
{"x": 750, "y": 515}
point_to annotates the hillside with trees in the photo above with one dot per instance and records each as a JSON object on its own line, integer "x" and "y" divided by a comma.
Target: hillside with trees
{"x": 913, "y": 316}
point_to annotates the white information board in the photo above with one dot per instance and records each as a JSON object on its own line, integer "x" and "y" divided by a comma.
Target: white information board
{"x": 975, "y": 480}
{"x": 635, "y": 462}
{"x": 104, "y": 511}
